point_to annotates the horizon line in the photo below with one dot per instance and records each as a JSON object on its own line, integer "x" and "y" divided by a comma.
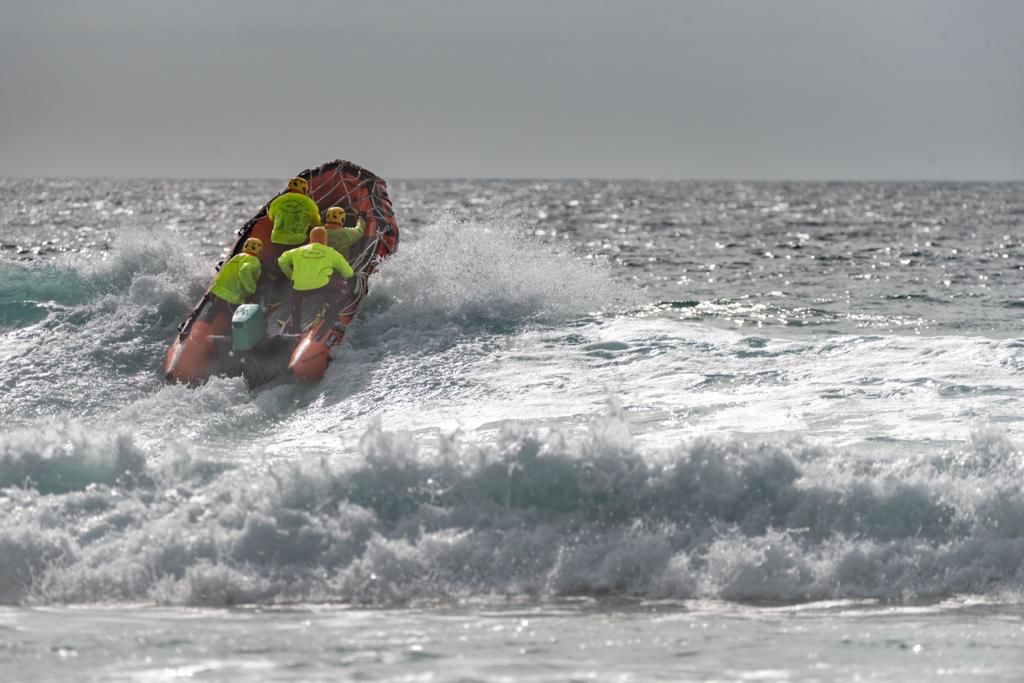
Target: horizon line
{"x": 516, "y": 178}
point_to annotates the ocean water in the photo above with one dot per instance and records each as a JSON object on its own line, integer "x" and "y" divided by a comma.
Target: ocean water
{"x": 580, "y": 430}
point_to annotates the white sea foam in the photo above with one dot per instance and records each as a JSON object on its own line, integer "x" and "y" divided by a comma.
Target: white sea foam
{"x": 541, "y": 514}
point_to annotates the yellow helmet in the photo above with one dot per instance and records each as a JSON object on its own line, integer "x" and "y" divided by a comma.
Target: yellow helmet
{"x": 318, "y": 235}
{"x": 297, "y": 184}
{"x": 335, "y": 214}
{"x": 254, "y": 246}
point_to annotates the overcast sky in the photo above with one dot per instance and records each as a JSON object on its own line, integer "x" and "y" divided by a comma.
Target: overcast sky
{"x": 756, "y": 89}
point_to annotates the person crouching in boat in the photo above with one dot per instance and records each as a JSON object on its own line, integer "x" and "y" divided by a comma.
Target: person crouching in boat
{"x": 293, "y": 214}
{"x": 314, "y": 267}
{"x": 237, "y": 278}
{"x": 340, "y": 238}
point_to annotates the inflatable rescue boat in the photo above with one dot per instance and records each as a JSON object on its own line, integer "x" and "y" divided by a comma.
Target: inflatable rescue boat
{"x": 254, "y": 341}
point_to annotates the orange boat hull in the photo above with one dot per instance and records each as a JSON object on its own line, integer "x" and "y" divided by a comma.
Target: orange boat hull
{"x": 189, "y": 358}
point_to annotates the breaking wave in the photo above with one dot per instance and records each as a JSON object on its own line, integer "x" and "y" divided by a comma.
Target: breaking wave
{"x": 533, "y": 515}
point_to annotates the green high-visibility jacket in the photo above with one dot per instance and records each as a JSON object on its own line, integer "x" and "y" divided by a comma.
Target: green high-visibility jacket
{"x": 293, "y": 214}
{"x": 237, "y": 278}
{"x": 311, "y": 266}
{"x": 340, "y": 238}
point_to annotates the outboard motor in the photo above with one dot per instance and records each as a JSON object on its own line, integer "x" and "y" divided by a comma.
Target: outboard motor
{"x": 248, "y": 327}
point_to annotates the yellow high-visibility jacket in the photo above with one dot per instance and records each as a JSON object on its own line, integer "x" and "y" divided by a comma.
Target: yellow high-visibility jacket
{"x": 340, "y": 238}
{"x": 293, "y": 214}
{"x": 311, "y": 266}
{"x": 237, "y": 278}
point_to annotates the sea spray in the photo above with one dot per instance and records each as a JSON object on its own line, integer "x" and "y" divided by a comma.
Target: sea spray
{"x": 475, "y": 270}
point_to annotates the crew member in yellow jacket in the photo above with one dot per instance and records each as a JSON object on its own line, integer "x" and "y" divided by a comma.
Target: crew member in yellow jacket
{"x": 293, "y": 214}
{"x": 314, "y": 267}
{"x": 238, "y": 277}
{"x": 340, "y": 238}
